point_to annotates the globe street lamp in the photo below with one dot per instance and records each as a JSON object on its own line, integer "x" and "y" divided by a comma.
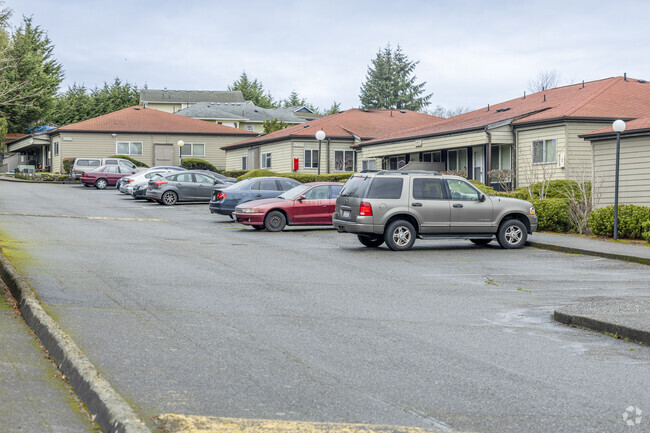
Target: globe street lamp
{"x": 320, "y": 136}
{"x": 618, "y": 126}
{"x": 180, "y": 144}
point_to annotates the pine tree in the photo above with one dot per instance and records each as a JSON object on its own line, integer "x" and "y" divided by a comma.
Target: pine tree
{"x": 390, "y": 83}
{"x": 252, "y": 91}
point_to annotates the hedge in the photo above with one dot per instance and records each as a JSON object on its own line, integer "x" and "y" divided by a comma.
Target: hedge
{"x": 67, "y": 164}
{"x": 135, "y": 161}
{"x": 631, "y": 219}
{"x": 300, "y": 177}
{"x": 197, "y": 164}
{"x": 555, "y": 189}
{"x": 553, "y": 215}
{"x": 646, "y": 231}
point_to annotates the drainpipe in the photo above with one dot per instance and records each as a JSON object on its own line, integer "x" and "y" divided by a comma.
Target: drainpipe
{"x": 489, "y": 156}
{"x": 328, "y": 155}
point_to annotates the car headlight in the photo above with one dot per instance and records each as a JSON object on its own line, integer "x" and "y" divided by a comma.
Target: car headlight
{"x": 532, "y": 210}
{"x": 247, "y": 210}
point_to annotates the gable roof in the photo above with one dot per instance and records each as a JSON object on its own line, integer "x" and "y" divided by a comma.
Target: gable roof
{"x": 610, "y": 98}
{"x": 640, "y": 126}
{"x": 139, "y": 119}
{"x": 242, "y": 111}
{"x": 348, "y": 125}
{"x": 192, "y": 96}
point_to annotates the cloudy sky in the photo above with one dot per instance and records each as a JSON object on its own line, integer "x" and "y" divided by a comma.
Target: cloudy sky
{"x": 471, "y": 53}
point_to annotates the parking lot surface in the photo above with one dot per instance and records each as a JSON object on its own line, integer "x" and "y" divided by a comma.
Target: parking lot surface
{"x": 186, "y": 312}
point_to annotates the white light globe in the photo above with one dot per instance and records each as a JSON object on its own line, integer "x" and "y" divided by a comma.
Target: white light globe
{"x": 618, "y": 125}
{"x": 180, "y": 143}
{"x": 320, "y": 135}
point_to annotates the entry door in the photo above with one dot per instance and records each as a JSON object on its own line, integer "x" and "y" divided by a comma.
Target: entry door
{"x": 478, "y": 158}
{"x": 163, "y": 154}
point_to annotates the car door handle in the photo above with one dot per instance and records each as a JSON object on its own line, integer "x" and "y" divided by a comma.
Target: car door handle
{"x": 416, "y": 204}
{"x": 458, "y": 205}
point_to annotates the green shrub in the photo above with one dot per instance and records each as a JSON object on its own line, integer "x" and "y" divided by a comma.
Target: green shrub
{"x": 646, "y": 231}
{"x": 483, "y": 187}
{"x": 553, "y": 215}
{"x": 67, "y": 164}
{"x": 630, "y": 221}
{"x": 300, "y": 177}
{"x": 135, "y": 161}
{"x": 554, "y": 189}
{"x": 234, "y": 173}
{"x": 197, "y": 164}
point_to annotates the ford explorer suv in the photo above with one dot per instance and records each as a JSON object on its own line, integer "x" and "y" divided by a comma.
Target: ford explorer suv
{"x": 396, "y": 207}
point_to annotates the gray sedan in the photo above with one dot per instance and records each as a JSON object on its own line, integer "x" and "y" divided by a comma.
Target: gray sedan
{"x": 191, "y": 185}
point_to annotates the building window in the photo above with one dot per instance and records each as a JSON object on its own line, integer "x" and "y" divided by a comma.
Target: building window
{"x": 544, "y": 151}
{"x": 56, "y": 148}
{"x": 311, "y": 158}
{"x": 193, "y": 149}
{"x": 343, "y": 160}
{"x": 501, "y": 157}
{"x": 266, "y": 160}
{"x": 432, "y": 157}
{"x": 369, "y": 164}
{"x": 457, "y": 160}
{"x": 244, "y": 162}
{"x": 249, "y": 128}
{"x": 128, "y": 147}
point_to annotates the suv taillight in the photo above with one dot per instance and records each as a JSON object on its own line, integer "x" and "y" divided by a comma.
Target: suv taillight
{"x": 365, "y": 209}
{"x": 160, "y": 182}
{"x": 221, "y": 195}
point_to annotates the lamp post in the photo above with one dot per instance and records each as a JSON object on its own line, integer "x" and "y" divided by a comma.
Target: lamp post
{"x": 180, "y": 144}
{"x": 618, "y": 126}
{"x": 320, "y": 136}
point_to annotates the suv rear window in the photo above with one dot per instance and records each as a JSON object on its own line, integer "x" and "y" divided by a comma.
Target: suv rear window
{"x": 355, "y": 186}
{"x": 387, "y": 188}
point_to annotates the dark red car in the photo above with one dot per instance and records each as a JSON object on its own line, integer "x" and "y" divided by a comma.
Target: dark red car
{"x": 307, "y": 204}
{"x": 106, "y": 175}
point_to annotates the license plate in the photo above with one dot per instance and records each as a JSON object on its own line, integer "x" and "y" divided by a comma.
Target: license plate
{"x": 346, "y": 214}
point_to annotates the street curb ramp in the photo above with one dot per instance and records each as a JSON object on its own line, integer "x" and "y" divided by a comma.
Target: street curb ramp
{"x": 113, "y": 413}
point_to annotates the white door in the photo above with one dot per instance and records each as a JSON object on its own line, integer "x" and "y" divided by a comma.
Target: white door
{"x": 478, "y": 163}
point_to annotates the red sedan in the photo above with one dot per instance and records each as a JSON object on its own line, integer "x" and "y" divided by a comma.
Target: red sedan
{"x": 105, "y": 175}
{"x": 307, "y": 204}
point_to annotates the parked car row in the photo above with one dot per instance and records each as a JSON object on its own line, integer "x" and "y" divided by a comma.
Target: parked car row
{"x": 386, "y": 206}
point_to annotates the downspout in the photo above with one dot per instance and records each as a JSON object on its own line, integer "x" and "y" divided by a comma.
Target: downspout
{"x": 328, "y": 155}
{"x": 489, "y": 157}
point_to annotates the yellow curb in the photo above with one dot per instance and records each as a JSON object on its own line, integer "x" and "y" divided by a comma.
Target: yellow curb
{"x": 175, "y": 423}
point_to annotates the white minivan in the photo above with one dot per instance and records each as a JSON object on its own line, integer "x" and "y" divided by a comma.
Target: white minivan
{"x": 80, "y": 165}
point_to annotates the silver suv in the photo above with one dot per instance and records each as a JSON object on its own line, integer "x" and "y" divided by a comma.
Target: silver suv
{"x": 397, "y": 207}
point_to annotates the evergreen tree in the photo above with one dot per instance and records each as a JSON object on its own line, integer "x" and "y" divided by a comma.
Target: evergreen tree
{"x": 293, "y": 100}
{"x": 273, "y": 125}
{"x": 29, "y": 78}
{"x": 252, "y": 91}
{"x": 334, "y": 109}
{"x": 390, "y": 83}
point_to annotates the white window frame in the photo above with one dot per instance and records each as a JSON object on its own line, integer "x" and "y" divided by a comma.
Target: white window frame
{"x": 130, "y": 143}
{"x": 56, "y": 148}
{"x": 313, "y": 161}
{"x": 192, "y": 152}
{"x": 457, "y": 152}
{"x": 244, "y": 162}
{"x": 344, "y": 159}
{"x": 369, "y": 164}
{"x": 265, "y": 160}
{"x": 249, "y": 128}
{"x": 544, "y": 143}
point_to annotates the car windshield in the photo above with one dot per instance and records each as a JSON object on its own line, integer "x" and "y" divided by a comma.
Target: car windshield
{"x": 294, "y": 192}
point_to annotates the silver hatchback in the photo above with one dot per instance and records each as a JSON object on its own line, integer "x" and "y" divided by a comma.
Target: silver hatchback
{"x": 396, "y": 207}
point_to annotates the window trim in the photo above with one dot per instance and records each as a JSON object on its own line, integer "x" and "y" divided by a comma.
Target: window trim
{"x": 263, "y": 160}
{"x": 117, "y": 152}
{"x": 313, "y": 161}
{"x": 55, "y": 148}
{"x": 544, "y": 142}
{"x": 191, "y": 147}
{"x": 344, "y": 152}
{"x": 244, "y": 162}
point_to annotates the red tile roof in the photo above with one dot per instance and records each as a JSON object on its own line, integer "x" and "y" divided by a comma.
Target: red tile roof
{"x": 139, "y": 119}
{"x": 609, "y": 98}
{"x": 366, "y": 124}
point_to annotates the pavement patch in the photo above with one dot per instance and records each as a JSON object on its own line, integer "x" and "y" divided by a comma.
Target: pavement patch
{"x": 176, "y": 423}
{"x": 83, "y": 217}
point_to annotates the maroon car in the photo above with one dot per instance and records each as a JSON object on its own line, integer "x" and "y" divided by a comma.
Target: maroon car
{"x": 105, "y": 175}
{"x": 307, "y": 204}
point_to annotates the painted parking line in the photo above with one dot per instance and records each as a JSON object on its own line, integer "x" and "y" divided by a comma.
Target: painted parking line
{"x": 175, "y": 423}
{"x": 82, "y": 217}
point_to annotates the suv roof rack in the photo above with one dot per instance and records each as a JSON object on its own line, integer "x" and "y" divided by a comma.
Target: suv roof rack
{"x": 404, "y": 172}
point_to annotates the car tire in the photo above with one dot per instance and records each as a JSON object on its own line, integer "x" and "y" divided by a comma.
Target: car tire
{"x": 101, "y": 183}
{"x": 169, "y": 198}
{"x": 481, "y": 241}
{"x": 512, "y": 234}
{"x": 257, "y": 227}
{"x": 399, "y": 235}
{"x": 370, "y": 241}
{"x": 275, "y": 221}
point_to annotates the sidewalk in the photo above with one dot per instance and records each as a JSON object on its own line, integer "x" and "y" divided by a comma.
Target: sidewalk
{"x": 33, "y": 396}
{"x": 624, "y": 318}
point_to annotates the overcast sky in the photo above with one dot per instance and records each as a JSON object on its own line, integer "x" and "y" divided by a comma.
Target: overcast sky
{"x": 471, "y": 53}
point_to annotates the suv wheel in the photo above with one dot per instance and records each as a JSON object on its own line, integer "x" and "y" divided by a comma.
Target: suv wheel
{"x": 275, "y": 221}
{"x": 399, "y": 235}
{"x": 169, "y": 198}
{"x": 101, "y": 184}
{"x": 371, "y": 241}
{"x": 512, "y": 234}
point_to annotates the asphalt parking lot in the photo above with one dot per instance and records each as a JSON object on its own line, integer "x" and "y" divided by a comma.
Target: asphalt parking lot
{"x": 187, "y": 312}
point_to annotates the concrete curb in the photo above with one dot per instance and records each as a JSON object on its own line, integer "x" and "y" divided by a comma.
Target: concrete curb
{"x": 605, "y": 255}
{"x": 632, "y": 334}
{"x": 113, "y": 413}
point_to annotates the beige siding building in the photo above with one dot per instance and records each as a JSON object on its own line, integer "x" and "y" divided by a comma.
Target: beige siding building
{"x": 172, "y": 101}
{"x": 634, "y": 164}
{"x": 147, "y": 135}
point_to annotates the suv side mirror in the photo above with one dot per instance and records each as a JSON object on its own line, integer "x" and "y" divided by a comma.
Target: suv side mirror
{"x": 482, "y": 197}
